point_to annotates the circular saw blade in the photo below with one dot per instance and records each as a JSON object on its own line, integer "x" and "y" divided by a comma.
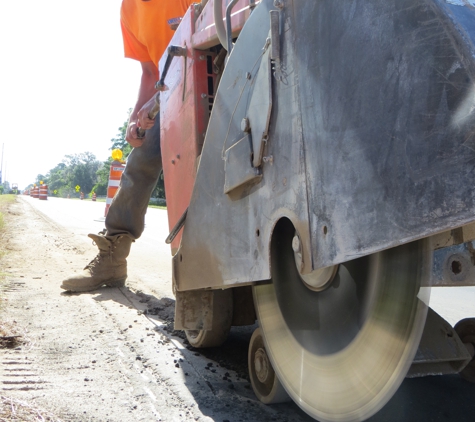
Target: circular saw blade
{"x": 342, "y": 353}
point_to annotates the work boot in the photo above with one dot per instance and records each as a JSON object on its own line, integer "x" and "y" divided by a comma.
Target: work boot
{"x": 108, "y": 268}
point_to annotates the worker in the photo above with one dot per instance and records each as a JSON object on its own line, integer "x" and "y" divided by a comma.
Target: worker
{"x": 146, "y": 34}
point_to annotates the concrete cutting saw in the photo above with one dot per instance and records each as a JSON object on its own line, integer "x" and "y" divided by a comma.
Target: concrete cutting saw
{"x": 319, "y": 164}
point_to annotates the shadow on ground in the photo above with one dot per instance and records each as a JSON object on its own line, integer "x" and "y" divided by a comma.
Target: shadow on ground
{"x": 429, "y": 399}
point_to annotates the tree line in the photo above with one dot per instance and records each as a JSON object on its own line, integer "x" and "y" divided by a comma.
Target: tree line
{"x": 85, "y": 171}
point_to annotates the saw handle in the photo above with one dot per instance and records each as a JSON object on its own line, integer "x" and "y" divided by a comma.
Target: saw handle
{"x": 151, "y": 115}
{"x": 176, "y": 229}
{"x": 173, "y": 51}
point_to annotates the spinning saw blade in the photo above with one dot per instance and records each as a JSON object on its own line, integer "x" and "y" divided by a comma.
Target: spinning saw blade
{"x": 341, "y": 353}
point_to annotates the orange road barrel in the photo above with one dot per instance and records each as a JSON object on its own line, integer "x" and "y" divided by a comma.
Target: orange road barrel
{"x": 36, "y": 193}
{"x": 94, "y": 197}
{"x": 117, "y": 168}
{"x": 82, "y": 196}
{"x": 43, "y": 193}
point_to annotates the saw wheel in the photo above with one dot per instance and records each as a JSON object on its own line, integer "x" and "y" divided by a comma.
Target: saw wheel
{"x": 264, "y": 381}
{"x": 341, "y": 353}
{"x": 222, "y": 320}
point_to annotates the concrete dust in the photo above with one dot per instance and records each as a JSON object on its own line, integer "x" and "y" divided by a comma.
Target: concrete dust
{"x": 112, "y": 354}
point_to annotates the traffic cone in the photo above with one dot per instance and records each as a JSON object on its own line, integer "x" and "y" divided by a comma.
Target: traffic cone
{"x": 43, "y": 193}
{"x": 115, "y": 174}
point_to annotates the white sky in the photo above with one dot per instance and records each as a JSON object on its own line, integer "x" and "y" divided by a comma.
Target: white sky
{"x": 65, "y": 86}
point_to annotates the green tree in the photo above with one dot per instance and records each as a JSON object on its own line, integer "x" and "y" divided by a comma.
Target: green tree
{"x": 40, "y": 178}
{"x": 81, "y": 170}
{"x": 159, "y": 191}
{"x": 102, "y": 181}
{"x": 55, "y": 177}
{"x": 119, "y": 142}
{"x": 89, "y": 173}
{"x": 76, "y": 169}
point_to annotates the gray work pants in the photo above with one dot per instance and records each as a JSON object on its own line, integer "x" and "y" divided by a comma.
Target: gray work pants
{"x": 127, "y": 211}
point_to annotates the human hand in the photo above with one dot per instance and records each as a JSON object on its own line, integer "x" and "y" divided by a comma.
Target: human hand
{"x": 131, "y": 135}
{"x": 148, "y": 110}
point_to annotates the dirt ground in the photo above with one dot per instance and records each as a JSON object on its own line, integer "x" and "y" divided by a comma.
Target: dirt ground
{"x": 110, "y": 355}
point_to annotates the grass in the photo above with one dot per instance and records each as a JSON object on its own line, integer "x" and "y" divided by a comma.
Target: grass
{"x": 87, "y": 199}
{"x": 5, "y": 201}
{"x": 160, "y": 207}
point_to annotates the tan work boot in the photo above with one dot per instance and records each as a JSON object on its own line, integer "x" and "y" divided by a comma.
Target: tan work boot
{"x": 108, "y": 268}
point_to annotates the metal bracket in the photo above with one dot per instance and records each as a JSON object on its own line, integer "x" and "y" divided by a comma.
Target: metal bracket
{"x": 440, "y": 351}
{"x": 260, "y": 108}
{"x": 194, "y": 310}
{"x": 238, "y": 169}
{"x": 454, "y": 265}
{"x": 229, "y": 26}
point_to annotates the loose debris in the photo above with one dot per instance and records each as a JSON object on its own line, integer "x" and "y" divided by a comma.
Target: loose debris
{"x": 18, "y": 410}
{"x": 10, "y": 335}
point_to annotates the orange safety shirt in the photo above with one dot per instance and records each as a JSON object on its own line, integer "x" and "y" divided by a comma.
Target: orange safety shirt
{"x": 145, "y": 27}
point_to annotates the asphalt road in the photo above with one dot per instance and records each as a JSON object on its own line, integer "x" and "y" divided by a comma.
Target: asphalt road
{"x": 440, "y": 398}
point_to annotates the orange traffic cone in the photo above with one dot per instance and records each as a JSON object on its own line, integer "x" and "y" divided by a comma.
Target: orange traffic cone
{"x": 43, "y": 194}
{"x": 115, "y": 174}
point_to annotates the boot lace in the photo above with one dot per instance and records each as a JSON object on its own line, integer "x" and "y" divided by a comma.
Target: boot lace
{"x": 99, "y": 257}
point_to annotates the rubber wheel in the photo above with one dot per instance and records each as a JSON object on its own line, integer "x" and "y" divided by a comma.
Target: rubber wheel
{"x": 466, "y": 331}
{"x": 222, "y": 319}
{"x": 264, "y": 381}
{"x": 341, "y": 353}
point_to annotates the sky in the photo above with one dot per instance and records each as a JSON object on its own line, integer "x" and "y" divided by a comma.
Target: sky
{"x": 65, "y": 86}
